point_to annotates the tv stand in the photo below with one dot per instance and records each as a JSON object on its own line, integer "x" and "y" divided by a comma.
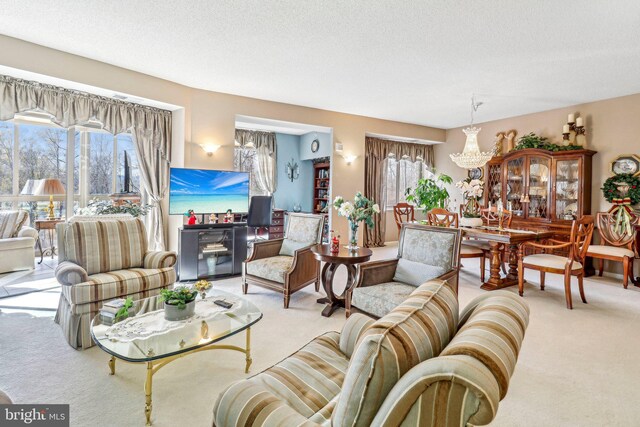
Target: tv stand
{"x": 209, "y": 251}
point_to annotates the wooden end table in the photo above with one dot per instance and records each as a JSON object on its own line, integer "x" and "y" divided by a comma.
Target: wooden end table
{"x": 346, "y": 257}
{"x": 50, "y": 226}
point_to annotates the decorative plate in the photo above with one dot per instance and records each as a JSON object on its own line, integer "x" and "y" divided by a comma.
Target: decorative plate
{"x": 626, "y": 164}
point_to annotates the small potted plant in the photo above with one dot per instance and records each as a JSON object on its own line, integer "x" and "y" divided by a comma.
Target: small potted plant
{"x": 179, "y": 302}
{"x": 201, "y": 286}
{"x": 471, "y": 190}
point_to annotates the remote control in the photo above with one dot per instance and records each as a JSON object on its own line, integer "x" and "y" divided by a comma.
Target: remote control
{"x": 222, "y": 303}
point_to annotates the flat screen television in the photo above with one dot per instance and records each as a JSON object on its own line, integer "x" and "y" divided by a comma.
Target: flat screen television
{"x": 208, "y": 191}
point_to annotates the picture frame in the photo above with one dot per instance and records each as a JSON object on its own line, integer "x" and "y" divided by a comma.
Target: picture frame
{"x": 627, "y": 164}
{"x": 476, "y": 173}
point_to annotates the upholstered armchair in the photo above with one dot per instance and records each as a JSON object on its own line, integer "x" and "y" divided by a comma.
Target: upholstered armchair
{"x": 424, "y": 253}
{"x": 423, "y": 364}
{"x": 101, "y": 261}
{"x": 17, "y": 241}
{"x": 286, "y": 265}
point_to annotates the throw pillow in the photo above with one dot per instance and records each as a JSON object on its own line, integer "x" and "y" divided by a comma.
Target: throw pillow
{"x": 289, "y": 246}
{"x": 416, "y": 273}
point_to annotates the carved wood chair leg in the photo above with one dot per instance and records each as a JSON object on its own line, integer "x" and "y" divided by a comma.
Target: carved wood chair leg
{"x": 625, "y": 272}
{"x": 520, "y": 279}
{"x": 482, "y": 267}
{"x": 567, "y": 289}
{"x": 542, "y": 276}
{"x": 581, "y": 287}
{"x": 286, "y": 300}
{"x": 317, "y": 284}
{"x": 245, "y": 287}
{"x": 601, "y": 267}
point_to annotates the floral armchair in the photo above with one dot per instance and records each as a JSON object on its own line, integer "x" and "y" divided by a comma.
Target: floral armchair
{"x": 286, "y": 265}
{"x": 424, "y": 253}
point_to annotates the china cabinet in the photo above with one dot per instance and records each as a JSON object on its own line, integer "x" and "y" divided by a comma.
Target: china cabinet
{"x": 540, "y": 186}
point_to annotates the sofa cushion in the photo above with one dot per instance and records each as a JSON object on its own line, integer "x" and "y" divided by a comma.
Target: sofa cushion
{"x": 610, "y": 250}
{"x": 550, "y": 260}
{"x": 304, "y": 228}
{"x": 428, "y": 247}
{"x": 16, "y": 243}
{"x": 379, "y": 300}
{"x": 289, "y": 247}
{"x": 11, "y": 222}
{"x": 272, "y": 268}
{"x": 416, "y": 273}
{"x": 103, "y": 246}
{"x": 300, "y": 387}
{"x": 117, "y": 284}
{"x": 415, "y": 331}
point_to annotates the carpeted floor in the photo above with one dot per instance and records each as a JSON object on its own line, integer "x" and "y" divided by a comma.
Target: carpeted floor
{"x": 576, "y": 368}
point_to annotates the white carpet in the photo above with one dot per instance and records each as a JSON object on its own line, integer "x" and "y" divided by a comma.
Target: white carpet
{"x": 576, "y": 368}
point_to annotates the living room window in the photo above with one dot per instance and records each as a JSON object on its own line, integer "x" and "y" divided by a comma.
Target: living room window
{"x": 34, "y": 150}
{"x": 401, "y": 175}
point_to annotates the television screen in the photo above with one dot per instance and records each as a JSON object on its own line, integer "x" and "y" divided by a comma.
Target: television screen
{"x": 208, "y": 191}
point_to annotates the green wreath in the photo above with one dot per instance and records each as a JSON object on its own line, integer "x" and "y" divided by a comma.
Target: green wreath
{"x": 610, "y": 188}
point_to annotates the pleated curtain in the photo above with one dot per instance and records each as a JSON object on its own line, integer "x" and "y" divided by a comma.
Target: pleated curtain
{"x": 265, "y": 144}
{"x": 150, "y": 129}
{"x": 375, "y": 176}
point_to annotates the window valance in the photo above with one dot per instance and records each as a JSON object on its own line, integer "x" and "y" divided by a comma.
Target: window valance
{"x": 258, "y": 139}
{"x": 379, "y": 149}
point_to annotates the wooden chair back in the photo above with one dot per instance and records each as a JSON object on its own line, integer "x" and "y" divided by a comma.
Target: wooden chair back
{"x": 490, "y": 216}
{"x": 612, "y": 234}
{"x": 403, "y": 212}
{"x": 581, "y": 234}
{"x": 442, "y": 218}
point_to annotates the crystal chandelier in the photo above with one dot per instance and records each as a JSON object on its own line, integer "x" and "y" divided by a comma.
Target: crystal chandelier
{"x": 471, "y": 157}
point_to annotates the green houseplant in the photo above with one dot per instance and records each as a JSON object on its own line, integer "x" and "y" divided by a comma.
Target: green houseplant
{"x": 430, "y": 193}
{"x": 179, "y": 302}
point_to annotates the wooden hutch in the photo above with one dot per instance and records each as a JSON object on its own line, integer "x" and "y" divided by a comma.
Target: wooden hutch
{"x": 541, "y": 187}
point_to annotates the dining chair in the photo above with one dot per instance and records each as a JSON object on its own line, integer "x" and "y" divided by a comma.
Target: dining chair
{"x": 569, "y": 265}
{"x": 616, "y": 244}
{"x": 403, "y": 212}
{"x": 443, "y": 218}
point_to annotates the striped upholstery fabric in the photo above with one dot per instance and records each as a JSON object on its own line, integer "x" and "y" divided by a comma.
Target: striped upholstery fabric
{"x": 303, "y": 386}
{"x": 491, "y": 330}
{"x": 116, "y": 284}
{"x": 11, "y": 222}
{"x": 69, "y": 274}
{"x": 413, "y": 332}
{"x": 102, "y": 246}
{"x": 352, "y": 331}
{"x": 159, "y": 259}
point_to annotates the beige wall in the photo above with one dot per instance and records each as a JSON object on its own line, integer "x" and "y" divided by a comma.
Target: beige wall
{"x": 613, "y": 128}
{"x": 210, "y": 116}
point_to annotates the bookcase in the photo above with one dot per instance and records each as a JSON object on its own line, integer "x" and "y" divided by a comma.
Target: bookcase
{"x": 321, "y": 187}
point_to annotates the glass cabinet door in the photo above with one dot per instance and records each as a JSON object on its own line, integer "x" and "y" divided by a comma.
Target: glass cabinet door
{"x": 567, "y": 188}
{"x": 538, "y": 187}
{"x": 493, "y": 183}
{"x": 515, "y": 186}
{"x": 215, "y": 253}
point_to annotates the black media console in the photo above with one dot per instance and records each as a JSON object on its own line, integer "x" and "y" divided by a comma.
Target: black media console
{"x": 211, "y": 251}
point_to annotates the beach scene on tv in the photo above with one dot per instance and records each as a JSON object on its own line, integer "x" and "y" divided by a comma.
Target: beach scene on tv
{"x": 208, "y": 191}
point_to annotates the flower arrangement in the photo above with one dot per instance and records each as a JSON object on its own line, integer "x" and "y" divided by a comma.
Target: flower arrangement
{"x": 361, "y": 209}
{"x": 471, "y": 190}
{"x": 201, "y": 286}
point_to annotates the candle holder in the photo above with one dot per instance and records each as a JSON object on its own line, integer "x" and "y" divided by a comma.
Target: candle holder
{"x": 565, "y": 139}
{"x": 577, "y": 133}
{"x": 581, "y": 136}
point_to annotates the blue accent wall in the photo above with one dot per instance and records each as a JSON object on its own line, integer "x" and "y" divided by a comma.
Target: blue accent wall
{"x": 299, "y": 191}
{"x": 305, "y": 145}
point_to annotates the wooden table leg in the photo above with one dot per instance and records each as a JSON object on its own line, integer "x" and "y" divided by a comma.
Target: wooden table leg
{"x": 495, "y": 280}
{"x": 332, "y": 300}
{"x": 513, "y": 262}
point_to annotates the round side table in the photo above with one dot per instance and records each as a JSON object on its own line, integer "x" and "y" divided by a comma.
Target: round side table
{"x": 332, "y": 261}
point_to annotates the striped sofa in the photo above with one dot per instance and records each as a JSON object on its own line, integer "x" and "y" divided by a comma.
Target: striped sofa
{"x": 422, "y": 364}
{"x": 100, "y": 261}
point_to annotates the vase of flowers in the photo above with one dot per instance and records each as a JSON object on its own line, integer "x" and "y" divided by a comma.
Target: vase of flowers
{"x": 361, "y": 209}
{"x": 471, "y": 190}
{"x": 179, "y": 302}
{"x": 201, "y": 286}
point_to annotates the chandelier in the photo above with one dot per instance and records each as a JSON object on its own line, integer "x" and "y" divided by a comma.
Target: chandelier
{"x": 471, "y": 156}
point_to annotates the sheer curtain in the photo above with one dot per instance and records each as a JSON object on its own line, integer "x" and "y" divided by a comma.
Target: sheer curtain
{"x": 150, "y": 127}
{"x": 266, "y": 155}
{"x": 379, "y": 155}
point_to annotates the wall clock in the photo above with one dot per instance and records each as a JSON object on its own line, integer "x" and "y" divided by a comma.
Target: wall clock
{"x": 628, "y": 164}
{"x": 315, "y": 145}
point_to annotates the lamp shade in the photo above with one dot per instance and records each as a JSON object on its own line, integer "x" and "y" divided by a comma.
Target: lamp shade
{"x": 30, "y": 187}
{"x": 50, "y": 187}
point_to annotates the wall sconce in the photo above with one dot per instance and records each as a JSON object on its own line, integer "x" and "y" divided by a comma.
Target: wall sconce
{"x": 349, "y": 158}
{"x": 209, "y": 148}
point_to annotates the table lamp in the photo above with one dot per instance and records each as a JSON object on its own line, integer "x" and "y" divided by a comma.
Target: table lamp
{"x": 30, "y": 187}
{"x": 50, "y": 187}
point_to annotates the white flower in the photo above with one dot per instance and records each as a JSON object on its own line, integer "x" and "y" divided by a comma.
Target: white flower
{"x": 376, "y": 208}
{"x": 346, "y": 209}
{"x": 338, "y": 200}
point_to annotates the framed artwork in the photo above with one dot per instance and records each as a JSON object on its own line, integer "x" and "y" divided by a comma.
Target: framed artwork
{"x": 627, "y": 163}
{"x": 475, "y": 173}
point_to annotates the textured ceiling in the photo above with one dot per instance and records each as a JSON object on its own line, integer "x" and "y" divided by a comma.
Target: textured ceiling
{"x": 411, "y": 61}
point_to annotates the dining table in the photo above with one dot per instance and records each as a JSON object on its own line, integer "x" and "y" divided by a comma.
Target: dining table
{"x": 509, "y": 238}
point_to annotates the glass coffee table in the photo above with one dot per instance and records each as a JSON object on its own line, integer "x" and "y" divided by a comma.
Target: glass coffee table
{"x": 148, "y": 338}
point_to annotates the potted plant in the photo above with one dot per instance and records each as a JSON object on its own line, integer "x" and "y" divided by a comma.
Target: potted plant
{"x": 179, "y": 302}
{"x": 361, "y": 209}
{"x": 430, "y": 193}
{"x": 471, "y": 190}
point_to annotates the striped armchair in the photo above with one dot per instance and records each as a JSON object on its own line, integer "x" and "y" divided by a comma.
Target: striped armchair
{"x": 100, "y": 261}
{"x": 423, "y": 364}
